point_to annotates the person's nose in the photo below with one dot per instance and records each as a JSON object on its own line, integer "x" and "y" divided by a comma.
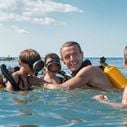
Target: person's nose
{"x": 71, "y": 58}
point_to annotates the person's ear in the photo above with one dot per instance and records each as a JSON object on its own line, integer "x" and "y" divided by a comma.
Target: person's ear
{"x": 20, "y": 63}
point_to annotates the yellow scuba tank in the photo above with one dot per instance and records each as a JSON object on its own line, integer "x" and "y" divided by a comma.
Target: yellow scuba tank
{"x": 114, "y": 74}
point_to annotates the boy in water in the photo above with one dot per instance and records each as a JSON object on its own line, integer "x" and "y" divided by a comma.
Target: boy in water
{"x": 30, "y": 63}
{"x": 52, "y": 67}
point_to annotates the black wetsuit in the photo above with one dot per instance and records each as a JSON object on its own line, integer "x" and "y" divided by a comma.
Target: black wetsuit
{"x": 84, "y": 64}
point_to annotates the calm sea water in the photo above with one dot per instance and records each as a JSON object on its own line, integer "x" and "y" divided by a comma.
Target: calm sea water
{"x": 61, "y": 108}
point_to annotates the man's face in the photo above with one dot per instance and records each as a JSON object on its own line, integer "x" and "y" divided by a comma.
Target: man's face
{"x": 72, "y": 57}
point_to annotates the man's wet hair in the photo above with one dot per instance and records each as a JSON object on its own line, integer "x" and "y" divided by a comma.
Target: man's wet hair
{"x": 70, "y": 43}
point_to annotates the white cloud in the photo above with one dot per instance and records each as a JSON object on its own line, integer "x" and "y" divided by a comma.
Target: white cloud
{"x": 4, "y": 16}
{"x": 7, "y": 4}
{"x": 12, "y": 28}
{"x": 42, "y": 7}
{"x": 14, "y": 17}
{"x": 45, "y": 20}
{"x": 21, "y": 31}
{"x": 18, "y": 30}
{"x": 33, "y": 11}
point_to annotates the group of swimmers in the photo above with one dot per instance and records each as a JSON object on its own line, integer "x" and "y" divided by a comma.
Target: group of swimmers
{"x": 84, "y": 74}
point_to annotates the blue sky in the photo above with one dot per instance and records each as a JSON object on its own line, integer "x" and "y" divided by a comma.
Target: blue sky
{"x": 100, "y": 26}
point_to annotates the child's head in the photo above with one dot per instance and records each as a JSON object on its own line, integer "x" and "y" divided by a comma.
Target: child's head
{"x": 52, "y": 62}
{"x": 32, "y": 58}
{"x": 125, "y": 57}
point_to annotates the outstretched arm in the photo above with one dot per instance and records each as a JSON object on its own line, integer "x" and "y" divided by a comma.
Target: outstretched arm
{"x": 35, "y": 81}
{"x": 104, "y": 99}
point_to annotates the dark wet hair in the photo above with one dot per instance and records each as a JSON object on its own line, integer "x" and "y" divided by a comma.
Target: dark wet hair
{"x": 54, "y": 60}
{"x": 52, "y": 56}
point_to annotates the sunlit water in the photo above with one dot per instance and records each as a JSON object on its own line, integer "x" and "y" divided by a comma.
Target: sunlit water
{"x": 61, "y": 108}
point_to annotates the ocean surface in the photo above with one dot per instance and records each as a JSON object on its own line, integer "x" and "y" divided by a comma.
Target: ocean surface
{"x": 61, "y": 108}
